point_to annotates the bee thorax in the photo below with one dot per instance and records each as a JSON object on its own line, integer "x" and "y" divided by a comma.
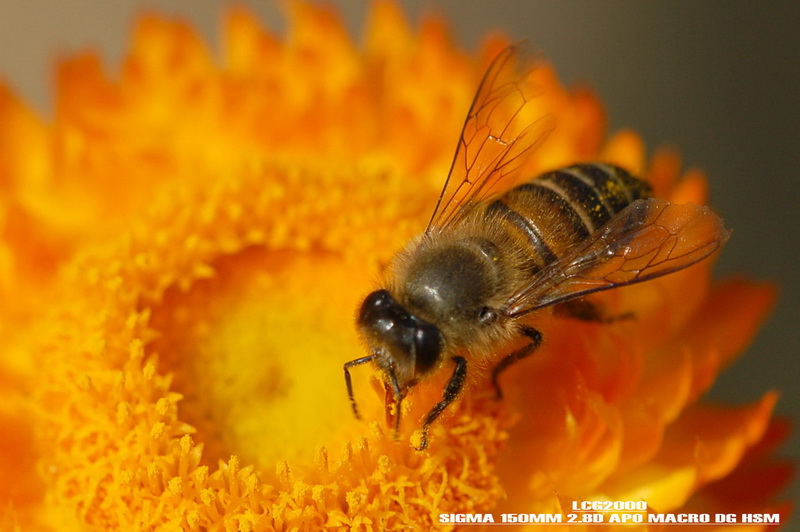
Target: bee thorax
{"x": 451, "y": 283}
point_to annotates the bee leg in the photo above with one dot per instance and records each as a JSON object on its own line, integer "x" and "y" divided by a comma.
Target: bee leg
{"x": 536, "y": 340}
{"x": 584, "y": 310}
{"x": 398, "y": 400}
{"x": 349, "y": 383}
{"x": 451, "y": 391}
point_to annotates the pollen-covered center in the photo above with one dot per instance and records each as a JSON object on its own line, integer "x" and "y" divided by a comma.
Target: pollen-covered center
{"x": 257, "y": 352}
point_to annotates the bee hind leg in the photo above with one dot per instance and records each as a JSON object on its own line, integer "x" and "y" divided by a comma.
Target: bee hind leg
{"x": 536, "y": 340}
{"x": 584, "y": 310}
{"x": 451, "y": 391}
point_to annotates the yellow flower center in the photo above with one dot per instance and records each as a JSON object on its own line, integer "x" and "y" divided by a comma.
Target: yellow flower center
{"x": 256, "y": 349}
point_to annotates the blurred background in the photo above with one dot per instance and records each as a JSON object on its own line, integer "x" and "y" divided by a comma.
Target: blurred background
{"x": 719, "y": 80}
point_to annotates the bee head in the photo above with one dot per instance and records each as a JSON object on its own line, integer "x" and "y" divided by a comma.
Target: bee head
{"x": 403, "y": 344}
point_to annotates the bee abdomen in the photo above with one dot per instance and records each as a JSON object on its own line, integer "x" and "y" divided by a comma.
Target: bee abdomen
{"x": 559, "y": 209}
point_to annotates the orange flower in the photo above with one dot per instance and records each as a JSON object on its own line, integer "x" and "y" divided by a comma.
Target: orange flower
{"x": 182, "y": 253}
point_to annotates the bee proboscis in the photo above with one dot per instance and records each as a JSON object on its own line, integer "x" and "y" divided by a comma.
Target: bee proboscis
{"x": 489, "y": 258}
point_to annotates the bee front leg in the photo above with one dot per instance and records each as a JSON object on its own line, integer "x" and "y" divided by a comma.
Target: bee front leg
{"x": 349, "y": 383}
{"x": 394, "y": 400}
{"x": 451, "y": 391}
{"x": 536, "y": 340}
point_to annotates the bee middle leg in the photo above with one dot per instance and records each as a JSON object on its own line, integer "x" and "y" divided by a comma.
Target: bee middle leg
{"x": 454, "y": 386}
{"x": 536, "y": 340}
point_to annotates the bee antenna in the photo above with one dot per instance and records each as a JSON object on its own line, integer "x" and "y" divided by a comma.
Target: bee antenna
{"x": 348, "y": 381}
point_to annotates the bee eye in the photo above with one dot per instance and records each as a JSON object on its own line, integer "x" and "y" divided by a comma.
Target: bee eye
{"x": 378, "y": 298}
{"x": 427, "y": 346}
{"x": 373, "y": 304}
{"x": 488, "y": 315}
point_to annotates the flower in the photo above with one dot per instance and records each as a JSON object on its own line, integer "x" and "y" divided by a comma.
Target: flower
{"x": 185, "y": 247}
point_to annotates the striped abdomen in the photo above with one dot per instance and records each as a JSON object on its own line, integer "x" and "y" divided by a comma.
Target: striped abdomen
{"x": 555, "y": 211}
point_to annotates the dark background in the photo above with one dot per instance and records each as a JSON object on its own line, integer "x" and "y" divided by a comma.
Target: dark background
{"x": 719, "y": 80}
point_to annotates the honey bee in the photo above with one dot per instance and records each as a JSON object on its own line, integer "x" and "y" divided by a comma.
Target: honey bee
{"x": 490, "y": 258}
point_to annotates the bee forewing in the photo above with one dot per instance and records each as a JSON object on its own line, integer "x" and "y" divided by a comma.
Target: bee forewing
{"x": 649, "y": 238}
{"x": 498, "y": 135}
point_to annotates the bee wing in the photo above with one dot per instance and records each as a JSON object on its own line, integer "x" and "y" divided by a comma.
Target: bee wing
{"x": 497, "y": 135}
{"x": 648, "y": 239}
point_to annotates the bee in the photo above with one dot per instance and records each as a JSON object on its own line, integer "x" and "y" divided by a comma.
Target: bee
{"x": 489, "y": 258}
